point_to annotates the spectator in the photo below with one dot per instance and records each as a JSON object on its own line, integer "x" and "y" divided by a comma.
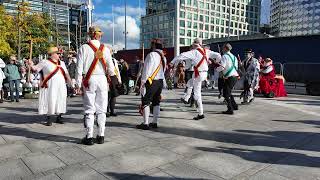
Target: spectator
{"x": 72, "y": 68}
{"x": 11, "y": 71}
{"x": 2, "y": 77}
{"x": 125, "y": 75}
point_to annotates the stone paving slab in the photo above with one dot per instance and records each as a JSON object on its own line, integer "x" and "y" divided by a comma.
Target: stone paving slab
{"x": 73, "y": 155}
{"x": 43, "y": 162}
{"x": 13, "y": 169}
{"x": 13, "y": 150}
{"x": 80, "y": 173}
{"x": 280, "y": 144}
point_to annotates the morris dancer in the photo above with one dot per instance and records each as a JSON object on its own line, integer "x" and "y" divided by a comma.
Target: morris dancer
{"x": 229, "y": 67}
{"x": 151, "y": 84}
{"x": 53, "y": 89}
{"x": 251, "y": 67}
{"x": 200, "y": 59}
{"x": 93, "y": 65}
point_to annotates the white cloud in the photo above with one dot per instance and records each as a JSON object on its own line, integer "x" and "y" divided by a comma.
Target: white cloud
{"x": 131, "y": 11}
{"x": 133, "y": 30}
{"x": 104, "y": 20}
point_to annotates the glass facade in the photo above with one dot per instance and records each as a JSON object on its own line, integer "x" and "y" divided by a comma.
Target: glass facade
{"x": 200, "y": 18}
{"x": 295, "y": 17}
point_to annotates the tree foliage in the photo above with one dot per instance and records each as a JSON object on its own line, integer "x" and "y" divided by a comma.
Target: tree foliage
{"x": 7, "y": 33}
{"x": 37, "y": 27}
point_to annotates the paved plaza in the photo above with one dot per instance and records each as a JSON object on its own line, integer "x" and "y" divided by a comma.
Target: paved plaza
{"x": 274, "y": 139}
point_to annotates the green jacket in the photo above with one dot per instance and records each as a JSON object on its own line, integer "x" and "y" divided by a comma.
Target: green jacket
{"x": 11, "y": 71}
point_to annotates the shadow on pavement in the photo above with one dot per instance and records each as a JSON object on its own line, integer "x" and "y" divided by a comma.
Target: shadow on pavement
{"x": 273, "y": 157}
{"x": 15, "y": 131}
{"x": 310, "y": 122}
{"x": 133, "y": 176}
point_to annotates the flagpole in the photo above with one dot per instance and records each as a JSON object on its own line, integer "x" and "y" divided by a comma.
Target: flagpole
{"x": 112, "y": 28}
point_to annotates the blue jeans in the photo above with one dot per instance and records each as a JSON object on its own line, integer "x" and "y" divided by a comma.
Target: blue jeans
{"x": 14, "y": 84}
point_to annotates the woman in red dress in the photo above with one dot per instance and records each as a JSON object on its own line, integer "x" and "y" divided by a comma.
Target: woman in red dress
{"x": 271, "y": 85}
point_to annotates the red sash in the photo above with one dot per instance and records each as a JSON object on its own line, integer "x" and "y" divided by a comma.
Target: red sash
{"x": 204, "y": 58}
{"x": 97, "y": 57}
{"x": 44, "y": 83}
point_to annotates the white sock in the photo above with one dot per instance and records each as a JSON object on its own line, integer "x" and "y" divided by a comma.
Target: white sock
{"x": 101, "y": 120}
{"x": 188, "y": 94}
{"x": 89, "y": 125}
{"x": 156, "y": 113}
{"x": 200, "y": 106}
{"x": 146, "y": 113}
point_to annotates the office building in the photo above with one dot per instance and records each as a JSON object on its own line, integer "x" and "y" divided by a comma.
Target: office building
{"x": 199, "y": 18}
{"x": 295, "y": 17}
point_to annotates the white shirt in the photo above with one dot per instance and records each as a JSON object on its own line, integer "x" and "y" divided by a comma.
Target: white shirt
{"x": 151, "y": 63}
{"x": 116, "y": 70}
{"x": 195, "y": 56}
{"x": 85, "y": 58}
{"x": 227, "y": 64}
{"x": 2, "y": 65}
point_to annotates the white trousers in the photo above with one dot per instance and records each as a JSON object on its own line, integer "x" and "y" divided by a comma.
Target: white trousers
{"x": 197, "y": 82}
{"x": 95, "y": 102}
{"x": 187, "y": 94}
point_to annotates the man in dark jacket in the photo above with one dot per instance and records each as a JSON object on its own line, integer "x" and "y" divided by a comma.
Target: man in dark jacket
{"x": 12, "y": 73}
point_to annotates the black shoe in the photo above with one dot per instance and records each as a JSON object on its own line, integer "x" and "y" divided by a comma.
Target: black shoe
{"x": 87, "y": 141}
{"x": 153, "y": 125}
{"x": 107, "y": 114}
{"x": 228, "y": 112}
{"x": 17, "y": 100}
{"x": 235, "y": 108}
{"x": 245, "y": 103}
{"x": 1, "y": 100}
{"x": 49, "y": 122}
{"x": 184, "y": 101}
{"x": 114, "y": 114}
{"x": 198, "y": 117}
{"x": 59, "y": 120}
{"x": 11, "y": 100}
{"x": 143, "y": 126}
{"x": 100, "y": 139}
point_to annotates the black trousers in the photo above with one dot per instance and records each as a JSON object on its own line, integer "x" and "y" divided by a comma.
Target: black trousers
{"x": 220, "y": 84}
{"x": 227, "y": 93}
{"x": 153, "y": 93}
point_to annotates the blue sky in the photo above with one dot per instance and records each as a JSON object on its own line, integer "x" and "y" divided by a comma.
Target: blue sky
{"x": 103, "y": 17}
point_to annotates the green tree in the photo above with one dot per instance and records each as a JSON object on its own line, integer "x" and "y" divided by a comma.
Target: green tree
{"x": 7, "y": 34}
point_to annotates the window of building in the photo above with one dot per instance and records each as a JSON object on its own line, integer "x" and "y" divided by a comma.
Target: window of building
{"x": 189, "y": 16}
{"x": 189, "y": 2}
{"x": 201, "y": 26}
{"x": 182, "y": 14}
{"x": 195, "y": 33}
{"x": 182, "y": 32}
{"x": 189, "y": 24}
{"x": 195, "y": 25}
{"x": 188, "y": 42}
{"x": 201, "y": 34}
{"x": 195, "y": 17}
{"x": 182, "y": 41}
{"x": 201, "y": 5}
{"x": 201, "y": 18}
{"x": 189, "y": 33}
{"x": 182, "y": 23}
{"x": 206, "y": 27}
{"x": 207, "y": 19}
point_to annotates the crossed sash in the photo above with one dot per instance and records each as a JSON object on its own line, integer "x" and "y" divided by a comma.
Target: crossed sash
{"x": 44, "y": 83}
{"x": 98, "y": 57}
{"x": 204, "y": 58}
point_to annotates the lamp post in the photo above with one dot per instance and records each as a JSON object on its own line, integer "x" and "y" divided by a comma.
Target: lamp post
{"x": 177, "y": 30}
